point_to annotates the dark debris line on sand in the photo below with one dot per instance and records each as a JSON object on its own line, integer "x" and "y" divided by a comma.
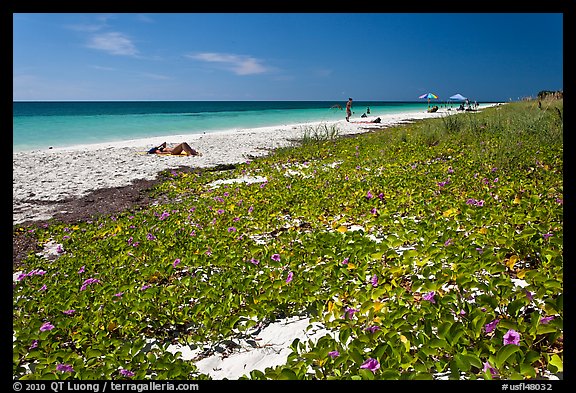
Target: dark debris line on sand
{"x": 100, "y": 202}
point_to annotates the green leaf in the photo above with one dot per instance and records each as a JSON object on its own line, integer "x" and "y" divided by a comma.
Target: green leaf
{"x": 545, "y": 329}
{"x": 287, "y": 374}
{"x": 505, "y": 353}
{"x": 462, "y": 362}
{"x": 556, "y": 363}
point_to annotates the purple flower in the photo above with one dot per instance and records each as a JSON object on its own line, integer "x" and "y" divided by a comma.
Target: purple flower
{"x": 46, "y": 326}
{"x": 65, "y": 368}
{"x": 150, "y": 237}
{"x": 119, "y": 294}
{"x": 371, "y": 364}
{"x": 448, "y": 242}
{"x": 250, "y": 209}
{"x": 176, "y": 262}
{"x": 487, "y": 367}
{"x": 231, "y": 229}
{"x": 381, "y": 196}
{"x": 254, "y": 261}
{"x": 511, "y": 337}
{"x": 350, "y": 312}
{"x": 289, "y": 278}
{"x": 145, "y": 287}
{"x": 345, "y": 261}
{"x": 276, "y": 257}
{"x": 529, "y": 295}
{"x": 471, "y": 201}
{"x": 547, "y": 235}
{"x": 429, "y": 296}
{"x": 164, "y": 216}
{"x": 545, "y": 320}
{"x": 369, "y": 195}
{"x": 69, "y": 312}
{"x": 450, "y": 170}
{"x": 373, "y": 211}
{"x": 334, "y": 354}
{"x": 491, "y": 326}
{"x": 126, "y": 373}
{"x": 372, "y": 329}
{"x": 374, "y": 280}
{"x": 88, "y": 282}
{"x": 59, "y": 249}
{"x": 44, "y": 287}
{"x": 34, "y": 344}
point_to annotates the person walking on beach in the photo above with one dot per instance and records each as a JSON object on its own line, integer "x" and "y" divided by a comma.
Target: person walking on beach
{"x": 348, "y": 109}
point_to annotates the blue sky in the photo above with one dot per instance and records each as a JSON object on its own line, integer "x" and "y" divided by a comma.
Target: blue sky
{"x": 285, "y": 56}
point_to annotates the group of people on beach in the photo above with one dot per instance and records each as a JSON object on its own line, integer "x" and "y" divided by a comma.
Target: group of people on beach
{"x": 349, "y": 111}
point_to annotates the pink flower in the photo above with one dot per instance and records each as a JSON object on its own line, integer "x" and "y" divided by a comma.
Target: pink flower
{"x": 334, "y": 354}
{"x": 374, "y": 280}
{"x": 545, "y": 320}
{"x": 88, "y": 282}
{"x": 371, "y": 364}
{"x": 65, "y": 368}
{"x": 126, "y": 373}
{"x": 511, "y": 337}
{"x": 46, "y": 326}
{"x": 289, "y": 278}
{"x": 350, "y": 312}
{"x": 487, "y": 367}
{"x": 276, "y": 257}
{"x": 69, "y": 312}
{"x": 491, "y": 326}
{"x": 176, "y": 262}
{"x": 429, "y": 296}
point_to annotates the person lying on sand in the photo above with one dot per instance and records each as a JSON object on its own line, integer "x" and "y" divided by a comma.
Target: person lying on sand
{"x": 175, "y": 151}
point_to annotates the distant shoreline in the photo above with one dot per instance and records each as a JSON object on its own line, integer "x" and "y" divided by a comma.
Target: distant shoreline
{"x": 58, "y": 174}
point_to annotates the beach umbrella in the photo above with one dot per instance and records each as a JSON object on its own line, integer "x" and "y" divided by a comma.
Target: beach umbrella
{"x": 458, "y": 97}
{"x": 429, "y": 96}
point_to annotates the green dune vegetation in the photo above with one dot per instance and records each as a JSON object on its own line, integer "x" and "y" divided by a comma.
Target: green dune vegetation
{"x": 434, "y": 247}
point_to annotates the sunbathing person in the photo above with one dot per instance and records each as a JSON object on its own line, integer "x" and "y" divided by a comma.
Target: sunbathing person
{"x": 175, "y": 151}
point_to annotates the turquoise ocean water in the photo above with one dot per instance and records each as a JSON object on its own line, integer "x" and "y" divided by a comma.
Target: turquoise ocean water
{"x": 39, "y": 125}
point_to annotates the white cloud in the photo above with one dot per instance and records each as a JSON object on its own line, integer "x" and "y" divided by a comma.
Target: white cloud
{"x": 114, "y": 43}
{"x": 154, "y": 76}
{"x": 144, "y": 18}
{"x": 239, "y": 64}
{"x": 103, "y": 68}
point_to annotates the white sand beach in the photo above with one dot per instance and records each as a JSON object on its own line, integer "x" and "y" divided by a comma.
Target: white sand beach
{"x": 63, "y": 173}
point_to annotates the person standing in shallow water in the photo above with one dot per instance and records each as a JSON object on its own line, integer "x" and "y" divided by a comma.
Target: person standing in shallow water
{"x": 348, "y": 109}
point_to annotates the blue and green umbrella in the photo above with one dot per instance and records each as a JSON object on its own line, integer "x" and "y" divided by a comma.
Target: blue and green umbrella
{"x": 429, "y": 96}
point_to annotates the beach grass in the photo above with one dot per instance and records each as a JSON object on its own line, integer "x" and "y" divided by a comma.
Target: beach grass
{"x": 430, "y": 248}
